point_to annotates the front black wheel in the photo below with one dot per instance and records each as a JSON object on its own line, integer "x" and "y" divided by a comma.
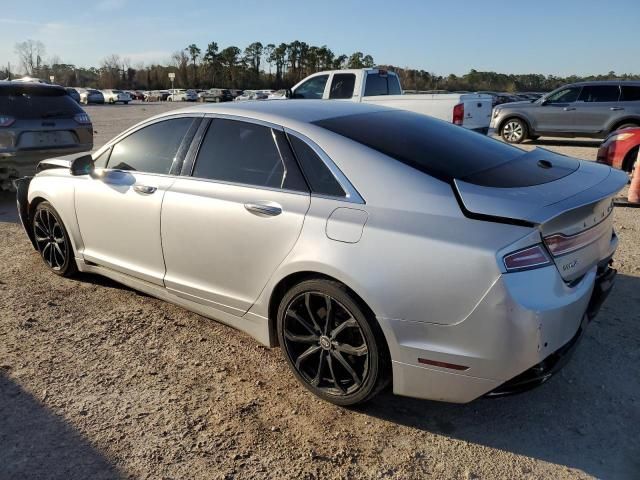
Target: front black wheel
{"x": 52, "y": 240}
{"x": 514, "y": 130}
{"x": 332, "y": 343}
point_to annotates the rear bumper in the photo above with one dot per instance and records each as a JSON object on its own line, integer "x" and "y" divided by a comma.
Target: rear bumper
{"x": 521, "y": 333}
{"x": 543, "y": 371}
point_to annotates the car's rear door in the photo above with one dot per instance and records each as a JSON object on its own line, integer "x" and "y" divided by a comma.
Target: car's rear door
{"x": 118, "y": 209}
{"x": 595, "y": 108}
{"x": 234, "y": 216}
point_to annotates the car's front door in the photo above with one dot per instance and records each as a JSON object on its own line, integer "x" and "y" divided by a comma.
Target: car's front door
{"x": 596, "y": 106}
{"x": 557, "y": 113}
{"x": 229, "y": 224}
{"x": 118, "y": 208}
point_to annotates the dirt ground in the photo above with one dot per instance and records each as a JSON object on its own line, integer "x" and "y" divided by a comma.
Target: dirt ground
{"x": 98, "y": 381}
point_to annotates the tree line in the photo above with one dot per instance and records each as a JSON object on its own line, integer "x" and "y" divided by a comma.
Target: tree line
{"x": 260, "y": 66}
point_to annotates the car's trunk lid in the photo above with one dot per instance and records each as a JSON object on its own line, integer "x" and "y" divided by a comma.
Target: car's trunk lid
{"x": 570, "y": 201}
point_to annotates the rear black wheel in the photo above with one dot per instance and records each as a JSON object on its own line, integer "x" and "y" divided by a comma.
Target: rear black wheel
{"x": 52, "y": 240}
{"x": 332, "y": 343}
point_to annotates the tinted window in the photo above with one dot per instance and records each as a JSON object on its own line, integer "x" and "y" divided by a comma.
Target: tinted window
{"x": 240, "y": 152}
{"x": 567, "y": 95}
{"x": 318, "y": 175}
{"x": 440, "y": 149}
{"x": 31, "y": 101}
{"x": 151, "y": 149}
{"x": 381, "y": 85}
{"x": 312, "y": 88}
{"x": 630, "y": 93}
{"x": 599, "y": 93}
{"x": 342, "y": 85}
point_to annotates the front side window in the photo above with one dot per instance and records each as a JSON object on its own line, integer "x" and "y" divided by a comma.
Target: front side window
{"x": 599, "y": 93}
{"x": 568, "y": 95}
{"x": 151, "y": 149}
{"x": 240, "y": 152}
{"x": 312, "y": 88}
{"x": 342, "y": 86}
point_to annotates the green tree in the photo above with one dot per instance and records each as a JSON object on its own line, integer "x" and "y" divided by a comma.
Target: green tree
{"x": 194, "y": 54}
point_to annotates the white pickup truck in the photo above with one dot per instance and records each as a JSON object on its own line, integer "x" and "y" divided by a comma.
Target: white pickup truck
{"x": 372, "y": 85}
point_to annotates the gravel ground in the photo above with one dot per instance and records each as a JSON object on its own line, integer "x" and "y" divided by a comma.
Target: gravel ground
{"x": 98, "y": 381}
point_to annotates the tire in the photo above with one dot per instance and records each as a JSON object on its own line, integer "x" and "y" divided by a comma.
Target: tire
{"x": 126, "y": 103}
{"x": 514, "y": 130}
{"x": 534, "y": 137}
{"x": 217, "y": 99}
{"x": 630, "y": 160}
{"x": 52, "y": 241}
{"x": 332, "y": 343}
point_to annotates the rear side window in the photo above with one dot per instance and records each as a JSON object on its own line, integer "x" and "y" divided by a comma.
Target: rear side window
{"x": 151, "y": 149}
{"x": 381, "y": 85}
{"x": 443, "y": 150}
{"x": 630, "y": 93}
{"x": 599, "y": 93}
{"x": 241, "y": 152}
{"x": 29, "y": 102}
{"x": 318, "y": 175}
{"x": 342, "y": 85}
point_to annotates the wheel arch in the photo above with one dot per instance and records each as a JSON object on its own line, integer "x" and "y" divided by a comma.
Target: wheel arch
{"x": 629, "y": 159}
{"x": 519, "y": 116}
{"x": 618, "y": 123}
{"x": 288, "y": 281}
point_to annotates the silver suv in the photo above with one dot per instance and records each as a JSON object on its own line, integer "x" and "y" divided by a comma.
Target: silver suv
{"x": 586, "y": 109}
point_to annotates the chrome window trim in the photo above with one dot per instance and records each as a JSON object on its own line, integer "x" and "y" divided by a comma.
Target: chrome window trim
{"x": 352, "y": 195}
{"x": 244, "y": 185}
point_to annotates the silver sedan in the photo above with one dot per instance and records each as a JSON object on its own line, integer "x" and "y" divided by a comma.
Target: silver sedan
{"x": 373, "y": 245}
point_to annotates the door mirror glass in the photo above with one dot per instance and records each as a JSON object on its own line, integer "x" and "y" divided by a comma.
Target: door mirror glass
{"x": 82, "y": 166}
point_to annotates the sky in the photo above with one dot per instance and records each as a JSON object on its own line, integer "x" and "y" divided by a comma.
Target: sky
{"x": 560, "y": 37}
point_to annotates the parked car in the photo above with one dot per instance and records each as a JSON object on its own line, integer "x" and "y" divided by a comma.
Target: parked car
{"x": 246, "y": 95}
{"x": 278, "y": 95}
{"x": 116, "y": 96}
{"x": 461, "y": 283}
{"x": 73, "y": 93}
{"x": 136, "y": 95}
{"x": 90, "y": 95}
{"x": 152, "y": 96}
{"x": 381, "y": 87}
{"x": 216, "y": 95}
{"x": 586, "y": 109}
{"x": 41, "y": 118}
{"x": 620, "y": 149}
{"x": 235, "y": 92}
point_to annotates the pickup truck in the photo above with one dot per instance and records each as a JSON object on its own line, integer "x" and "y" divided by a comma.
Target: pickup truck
{"x": 381, "y": 87}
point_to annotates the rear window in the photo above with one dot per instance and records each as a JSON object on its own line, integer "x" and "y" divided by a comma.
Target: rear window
{"x": 446, "y": 151}
{"x": 29, "y": 101}
{"x": 381, "y": 85}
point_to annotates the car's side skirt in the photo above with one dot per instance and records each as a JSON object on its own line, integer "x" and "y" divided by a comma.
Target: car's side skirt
{"x": 254, "y": 325}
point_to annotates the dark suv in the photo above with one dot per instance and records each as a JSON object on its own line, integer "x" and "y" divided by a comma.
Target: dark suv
{"x": 215, "y": 95}
{"x": 36, "y": 121}
{"x": 586, "y": 109}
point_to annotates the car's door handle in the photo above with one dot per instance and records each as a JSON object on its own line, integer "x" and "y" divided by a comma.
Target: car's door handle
{"x": 267, "y": 209}
{"x": 568, "y": 109}
{"x": 616, "y": 108}
{"x": 144, "y": 189}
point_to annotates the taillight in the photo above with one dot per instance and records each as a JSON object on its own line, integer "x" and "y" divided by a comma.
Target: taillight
{"x": 458, "y": 114}
{"x": 526, "y": 259}
{"x": 6, "y": 120}
{"x": 82, "y": 118}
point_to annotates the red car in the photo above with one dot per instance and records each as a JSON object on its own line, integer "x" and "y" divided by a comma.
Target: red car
{"x": 620, "y": 149}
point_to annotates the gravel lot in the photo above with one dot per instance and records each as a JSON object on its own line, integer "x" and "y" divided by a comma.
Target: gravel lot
{"x": 98, "y": 381}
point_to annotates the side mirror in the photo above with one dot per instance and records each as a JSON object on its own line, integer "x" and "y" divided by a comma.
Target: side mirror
{"x": 288, "y": 93}
{"x": 82, "y": 166}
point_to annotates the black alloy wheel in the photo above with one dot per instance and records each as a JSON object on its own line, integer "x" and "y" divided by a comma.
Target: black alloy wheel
{"x": 330, "y": 344}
